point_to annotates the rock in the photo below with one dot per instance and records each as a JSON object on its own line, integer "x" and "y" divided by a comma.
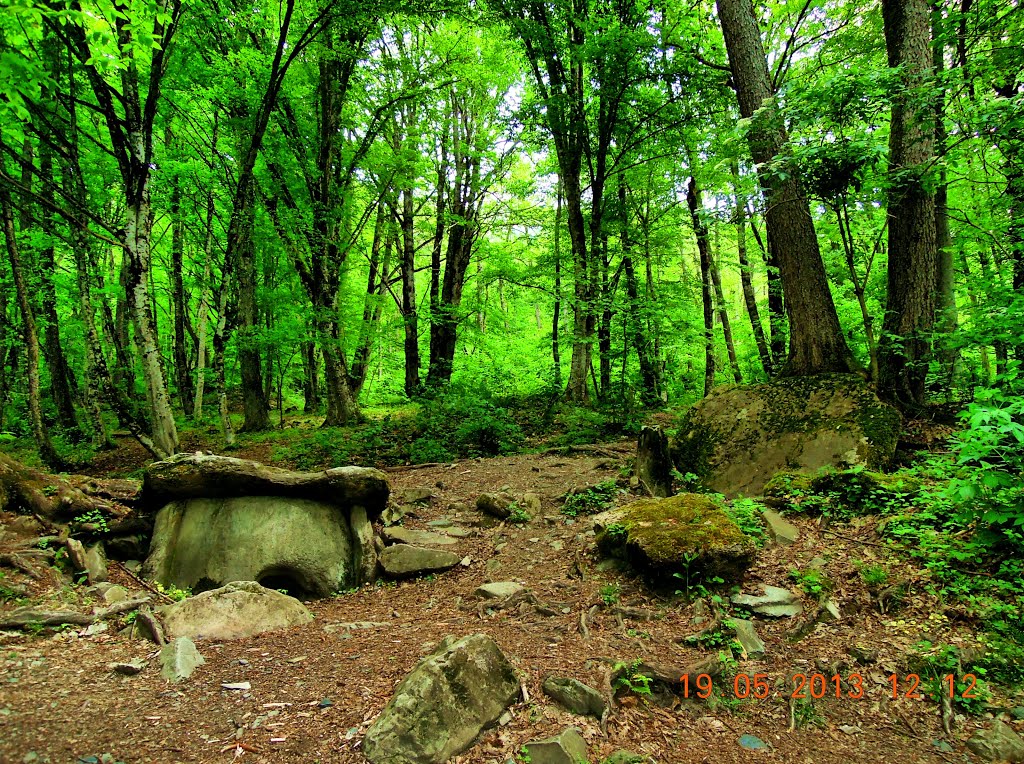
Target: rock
{"x": 415, "y": 495}
{"x": 133, "y": 565}
{"x": 531, "y": 503}
{"x": 131, "y": 668}
{"x": 442, "y": 522}
{"x": 863, "y": 655}
{"x": 776, "y": 602}
{"x": 300, "y": 545}
{"x": 393, "y": 515}
{"x": 653, "y": 463}
{"x": 575, "y": 696}
{"x": 115, "y": 594}
{"x": 498, "y": 590}
{"x": 746, "y": 635}
{"x": 353, "y": 626}
{"x": 569, "y": 747}
{"x": 998, "y": 743}
{"x": 444, "y": 703}
{"x": 459, "y": 533}
{"x": 399, "y": 535}
{"x": 782, "y": 532}
{"x": 363, "y": 546}
{"x": 237, "y": 686}
{"x": 178, "y": 659}
{"x": 828, "y": 612}
{"x": 238, "y": 610}
{"x": 752, "y": 743}
{"x": 127, "y": 547}
{"x": 23, "y": 525}
{"x": 739, "y": 436}
{"x": 848, "y": 492}
{"x": 403, "y": 560}
{"x": 497, "y": 505}
{"x": 205, "y": 476}
{"x": 689, "y": 534}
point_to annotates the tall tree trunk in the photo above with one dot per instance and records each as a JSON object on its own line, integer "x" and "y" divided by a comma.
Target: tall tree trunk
{"x": 556, "y": 313}
{"x": 410, "y": 318}
{"x": 704, "y": 250}
{"x": 723, "y": 315}
{"x": 650, "y": 390}
{"x": 859, "y": 284}
{"x": 31, "y": 336}
{"x": 310, "y": 378}
{"x": 62, "y": 379}
{"x": 816, "y": 341}
{"x": 204, "y": 309}
{"x": 746, "y": 276}
{"x": 182, "y": 372}
{"x": 220, "y": 341}
{"x": 604, "y": 327}
{"x": 905, "y": 346}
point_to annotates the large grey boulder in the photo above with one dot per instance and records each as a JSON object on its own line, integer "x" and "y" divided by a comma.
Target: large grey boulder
{"x": 297, "y": 544}
{"x": 403, "y": 560}
{"x": 999, "y": 743}
{"x": 739, "y": 436}
{"x": 235, "y": 611}
{"x": 441, "y": 707}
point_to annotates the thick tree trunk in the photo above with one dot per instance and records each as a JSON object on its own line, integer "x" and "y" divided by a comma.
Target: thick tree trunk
{"x": 220, "y": 339}
{"x": 182, "y": 372}
{"x": 704, "y": 250}
{"x": 816, "y": 341}
{"x": 556, "y": 312}
{"x": 31, "y": 336}
{"x": 410, "y": 318}
{"x": 653, "y": 462}
{"x": 905, "y": 346}
{"x": 342, "y": 408}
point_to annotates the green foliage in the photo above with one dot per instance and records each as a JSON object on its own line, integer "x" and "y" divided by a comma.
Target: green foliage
{"x": 721, "y": 638}
{"x": 93, "y": 517}
{"x": 7, "y": 594}
{"x": 874, "y": 576}
{"x": 461, "y": 424}
{"x": 617, "y": 533}
{"x": 933, "y": 663}
{"x": 814, "y": 582}
{"x": 173, "y": 591}
{"x": 610, "y": 594}
{"x": 518, "y": 515}
{"x": 590, "y": 501}
{"x": 746, "y": 513}
{"x": 806, "y": 714}
{"x": 631, "y": 678}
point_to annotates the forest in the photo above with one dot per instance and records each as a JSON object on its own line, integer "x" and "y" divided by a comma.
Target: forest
{"x": 413, "y": 236}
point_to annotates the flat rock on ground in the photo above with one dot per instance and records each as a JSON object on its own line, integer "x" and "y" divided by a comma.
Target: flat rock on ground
{"x": 406, "y": 560}
{"x": 238, "y": 610}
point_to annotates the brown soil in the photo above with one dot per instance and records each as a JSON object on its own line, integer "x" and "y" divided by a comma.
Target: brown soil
{"x": 59, "y": 700}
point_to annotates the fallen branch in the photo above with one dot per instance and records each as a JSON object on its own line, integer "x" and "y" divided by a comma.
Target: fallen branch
{"x": 57, "y": 497}
{"x": 142, "y": 582}
{"x": 25, "y": 617}
{"x": 150, "y": 621}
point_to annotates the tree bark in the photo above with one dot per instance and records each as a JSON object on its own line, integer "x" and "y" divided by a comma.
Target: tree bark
{"x": 410, "y": 318}
{"x": 653, "y": 462}
{"x": 704, "y": 250}
{"x": 556, "y": 312}
{"x": 723, "y": 316}
{"x": 182, "y": 372}
{"x": 746, "y": 275}
{"x": 816, "y": 341}
{"x": 905, "y": 346}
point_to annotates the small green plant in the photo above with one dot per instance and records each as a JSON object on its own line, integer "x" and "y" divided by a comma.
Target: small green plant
{"x": 637, "y": 634}
{"x": 746, "y": 513}
{"x": 631, "y": 678}
{"x": 518, "y": 515}
{"x": 93, "y": 517}
{"x": 610, "y": 594}
{"x": 7, "y": 594}
{"x": 590, "y": 501}
{"x": 720, "y": 637}
{"x": 349, "y": 590}
{"x": 617, "y": 533}
{"x": 173, "y": 592}
{"x": 874, "y": 576}
{"x": 812, "y": 581}
{"x": 806, "y": 714}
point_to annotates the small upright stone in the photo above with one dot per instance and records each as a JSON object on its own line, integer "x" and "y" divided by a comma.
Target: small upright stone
{"x": 498, "y": 590}
{"x": 569, "y": 747}
{"x": 178, "y": 659}
{"x": 753, "y": 646}
{"x": 782, "y": 532}
{"x": 575, "y": 696}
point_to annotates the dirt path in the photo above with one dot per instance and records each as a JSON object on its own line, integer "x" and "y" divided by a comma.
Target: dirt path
{"x": 315, "y": 689}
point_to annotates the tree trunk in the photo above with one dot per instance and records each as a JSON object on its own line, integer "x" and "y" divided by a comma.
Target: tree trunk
{"x": 653, "y": 462}
{"x": 182, "y": 372}
{"x": 220, "y": 339}
{"x": 31, "y": 337}
{"x": 746, "y": 276}
{"x": 846, "y": 235}
{"x": 310, "y": 378}
{"x": 556, "y": 312}
{"x": 650, "y": 390}
{"x": 723, "y": 315}
{"x": 816, "y": 341}
{"x": 704, "y": 249}
{"x": 905, "y": 345}
{"x": 410, "y": 318}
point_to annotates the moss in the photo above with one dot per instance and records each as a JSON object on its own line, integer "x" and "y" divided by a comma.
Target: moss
{"x": 843, "y": 492}
{"x": 689, "y": 533}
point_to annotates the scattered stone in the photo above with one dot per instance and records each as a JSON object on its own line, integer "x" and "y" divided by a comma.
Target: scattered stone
{"x": 498, "y": 590}
{"x": 115, "y": 594}
{"x": 611, "y": 565}
{"x": 393, "y": 515}
{"x": 241, "y": 686}
{"x": 441, "y": 707}
{"x": 235, "y": 611}
{"x": 776, "y": 602}
{"x": 782, "y": 532}
{"x": 818, "y": 563}
{"x": 403, "y": 560}
{"x": 400, "y": 535}
{"x": 577, "y": 697}
{"x": 752, "y": 743}
{"x": 746, "y": 635}
{"x": 863, "y": 655}
{"x": 531, "y": 503}
{"x": 850, "y": 729}
{"x": 556, "y": 545}
{"x": 178, "y": 659}
{"x": 685, "y": 534}
{"x": 442, "y": 522}
{"x": 998, "y": 743}
{"x": 739, "y": 436}
{"x": 505, "y": 719}
{"x": 492, "y": 566}
{"x": 130, "y": 668}
{"x": 1018, "y": 713}
{"x": 466, "y": 561}
{"x": 569, "y": 747}
{"x": 415, "y": 495}
{"x": 325, "y": 703}
{"x": 497, "y": 505}
{"x": 95, "y": 628}
{"x": 828, "y": 612}
{"x": 458, "y": 533}
{"x": 133, "y": 565}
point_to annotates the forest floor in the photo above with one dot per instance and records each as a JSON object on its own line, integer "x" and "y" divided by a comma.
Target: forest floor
{"x": 315, "y": 689}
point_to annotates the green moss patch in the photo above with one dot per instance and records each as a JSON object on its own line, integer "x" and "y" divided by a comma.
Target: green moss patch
{"x": 689, "y": 534}
{"x": 840, "y": 492}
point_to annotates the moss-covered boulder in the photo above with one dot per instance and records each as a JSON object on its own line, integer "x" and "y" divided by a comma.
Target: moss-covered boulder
{"x": 735, "y": 440}
{"x": 689, "y": 534}
{"x": 843, "y": 492}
